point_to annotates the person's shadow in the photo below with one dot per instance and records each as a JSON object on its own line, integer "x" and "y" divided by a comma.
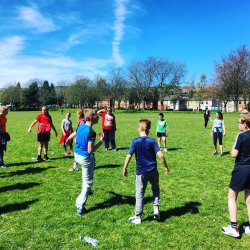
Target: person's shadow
{"x": 189, "y": 207}
{"x": 20, "y": 186}
{"x": 109, "y": 166}
{"x": 117, "y": 199}
{"x": 16, "y": 206}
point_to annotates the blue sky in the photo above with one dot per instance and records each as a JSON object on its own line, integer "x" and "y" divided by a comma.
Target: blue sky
{"x": 57, "y": 40}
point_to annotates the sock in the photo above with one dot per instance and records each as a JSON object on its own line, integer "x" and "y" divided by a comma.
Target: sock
{"x": 233, "y": 224}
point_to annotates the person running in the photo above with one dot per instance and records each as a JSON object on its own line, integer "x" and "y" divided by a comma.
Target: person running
{"x": 145, "y": 150}
{"x": 43, "y": 132}
{"x": 108, "y": 127}
{"x": 67, "y": 130}
{"x": 81, "y": 120}
{"x": 84, "y": 149}
{"x": 240, "y": 179}
{"x": 4, "y": 136}
{"x": 218, "y": 131}
{"x": 161, "y": 131}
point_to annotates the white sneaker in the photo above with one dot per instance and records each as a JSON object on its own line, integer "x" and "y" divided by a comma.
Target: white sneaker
{"x": 3, "y": 166}
{"x": 165, "y": 150}
{"x": 135, "y": 220}
{"x": 247, "y": 230}
{"x": 234, "y": 232}
{"x": 156, "y": 213}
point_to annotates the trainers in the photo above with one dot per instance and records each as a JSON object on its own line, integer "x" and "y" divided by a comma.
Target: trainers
{"x": 39, "y": 159}
{"x": 115, "y": 149}
{"x": 72, "y": 152}
{"x": 66, "y": 153}
{"x": 247, "y": 230}
{"x": 234, "y": 232}
{"x": 106, "y": 149}
{"x": 215, "y": 152}
{"x": 135, "y": 220}
{"x": 3, "y": 166}
{"x": 165, "y": 150}
{"x": 81, "y": 211}
{"x": 156, "y": 213}
{"x": 73, "y": 169}
{"x": 221, "y": 154}
{"x": 46, "y": 158}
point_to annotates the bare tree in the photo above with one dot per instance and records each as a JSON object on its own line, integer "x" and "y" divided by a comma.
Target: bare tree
{"x": 200, "y": 88}
{"x": 233, "y": 72}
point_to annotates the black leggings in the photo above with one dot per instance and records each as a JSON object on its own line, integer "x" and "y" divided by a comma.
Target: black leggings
{"x": 217, "y": 135}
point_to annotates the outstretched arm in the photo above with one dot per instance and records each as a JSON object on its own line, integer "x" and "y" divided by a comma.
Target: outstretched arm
{"x": 53, "y": 127}
{"x": 31, "y": 125}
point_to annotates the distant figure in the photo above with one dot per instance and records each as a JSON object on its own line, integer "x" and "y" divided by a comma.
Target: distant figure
{"x": 161, "y": 131}
{"x": 67, "y": 130}
{"x": 145, "y": 150}
{"x": 4, "y": 136}
{"x": 206, "y": 117}
{"x": 240, "y": 179}
{"x": 108, "y": 127}
{"x": 62, "y": 109}
{"x": 218, "y": 130}
{"x": 43, "y": 133}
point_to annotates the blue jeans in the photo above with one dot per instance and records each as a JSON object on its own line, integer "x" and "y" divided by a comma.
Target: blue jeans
{"x": 88, "y": 165}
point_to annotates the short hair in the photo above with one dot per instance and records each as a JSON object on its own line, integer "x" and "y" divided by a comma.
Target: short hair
{"x": 4, "y": 109}
{"x": 245, "y": 118}
{"x": 161, "y": 114}
{"x": 144, "y": 124}
{"x": 89, "y": 113}
{"x": 80, "y": 113}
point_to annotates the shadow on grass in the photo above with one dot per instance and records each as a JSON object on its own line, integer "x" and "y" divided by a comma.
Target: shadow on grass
{"x": 35, "y": 170}
{"x": 20, "y": 186}
{"x": 226, "y": 153}
{"x": 21, "y": 163}
{"x": 117, "y": 199}
{"x": 173, "y": 149}
{"x": 122, "y": 148}
{"x": 109, "y": 166}
{"x": 16, "y": 206}
{"x": 189, "y": 207}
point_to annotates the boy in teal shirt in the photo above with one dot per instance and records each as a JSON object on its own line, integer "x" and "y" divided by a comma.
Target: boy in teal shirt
{"x": 161, "y": 131}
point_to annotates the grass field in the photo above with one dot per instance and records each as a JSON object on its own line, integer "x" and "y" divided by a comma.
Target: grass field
{"x": 37, "y": 200}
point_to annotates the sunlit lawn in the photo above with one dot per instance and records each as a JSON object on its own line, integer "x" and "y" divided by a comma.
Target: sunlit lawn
{"x": 37, "y": 200}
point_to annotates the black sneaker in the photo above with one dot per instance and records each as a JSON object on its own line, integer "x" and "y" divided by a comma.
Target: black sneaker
{"x": 39, "y": 159}
{"x": 46, "y": 158}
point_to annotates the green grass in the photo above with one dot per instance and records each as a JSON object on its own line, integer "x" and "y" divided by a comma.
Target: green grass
{"x": 37, "y": 200}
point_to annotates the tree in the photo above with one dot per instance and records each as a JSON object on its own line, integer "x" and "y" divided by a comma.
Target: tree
{"x": 102, "y": 89}
{"x": 233, "y": 73}
{"x": 30, "y": 96}
{"x": 60, "y": 90}
{"x": 11, "y": 95}
{"x": 200, "y": 88}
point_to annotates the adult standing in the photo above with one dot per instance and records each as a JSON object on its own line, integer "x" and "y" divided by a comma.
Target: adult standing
{"x": 206, "y": 117}
{"x": 84, "y": 149}
{"x": 43, "y": 132}
{"x": 108, "y": 127}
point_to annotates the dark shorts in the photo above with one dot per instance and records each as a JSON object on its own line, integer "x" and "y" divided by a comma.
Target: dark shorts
{"x": 43, "y": 137}
{"x": 217, "y": 136}
{"x": 240, "y": 179}
{"x": 161, "y": 134}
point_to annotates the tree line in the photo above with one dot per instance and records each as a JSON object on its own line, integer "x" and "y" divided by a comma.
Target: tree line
{"x": 145, "y": 82}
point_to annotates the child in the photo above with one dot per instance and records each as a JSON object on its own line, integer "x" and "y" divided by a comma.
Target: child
{"x": 81, "y": 120}
{"x": 145, "y": 149}
{"x": 43, "y": 132}
{"x": 84, "y": 149}
{"x": 240, "y": 179}
{"x": 161, "y": 131}
{"x": 4, "y": 136}
{"x": 108, "y": 127}
{"x": 67, "y": 130}
{"x": 217, "y": 130}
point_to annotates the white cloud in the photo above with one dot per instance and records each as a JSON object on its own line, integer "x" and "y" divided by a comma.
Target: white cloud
{"x": 9, "y": 46}
{"x": 120, "y": 14}
{"x": 33, "y": 19}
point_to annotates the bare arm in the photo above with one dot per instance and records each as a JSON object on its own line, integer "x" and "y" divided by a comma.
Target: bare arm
{"x": 53, "y": 127}
{"x": 125, "y": 166}
{"x": 72, "y": 136}
{"x": 163, "y": 160}
{"x": 62, "y": 128}
{"x": 234, "y": 152}
{"x": 224, "y": 129}
{"x": 31, "y": 125}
